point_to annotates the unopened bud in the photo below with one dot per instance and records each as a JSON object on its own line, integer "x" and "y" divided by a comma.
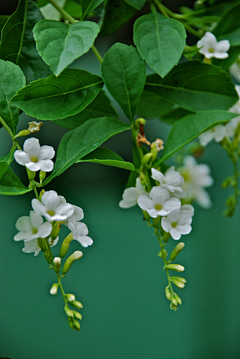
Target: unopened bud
{"x": 140, "y": 121}
{"x": 168, "y": 293}
{"x": 54, "y": 289}
{"x": 57, "y": 264}
{"x": 70, "y": 297}
{"x": 156, "y": 221}
{"x": 76, "y": 304}
{"x": 23, "y": 133}
{"x": 76, "y": 325}
{"x": 70, "y": 322}
{"x": 69, "y": 261}
{"x": 179, "y": 300}
{"x": 65, "y": 245}
{"x": 42, "y": 244}
{"x": 163, "y": 253}
{"x": 31, "y": 175}
{"x": 78, "y": 315}
{"x": 175, "y": 267}
{"x": 166, "y": 237}
{"x": 42, "y": 176}
{"x": 174, "y": 302}
{"x": 146, "y": 158}
{"x": 180, "y": 279}
{"x": 178, "y": 284}
{"x": 55, "y": 230}
{"x": 146, "y": 215}
{"x": 143, "y": 178}
{"x": 68, "y": 311}
{"x": 179, "y": 247}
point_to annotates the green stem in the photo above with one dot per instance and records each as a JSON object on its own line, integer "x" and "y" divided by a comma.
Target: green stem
{"x": 191, "y": 30}
{"x": 68, "y": 17}
{"x": 35, "y": 191}
{"x": 161, "y": 8}
{"x": 9, "y": 131}
{"x": 61, "y": 288}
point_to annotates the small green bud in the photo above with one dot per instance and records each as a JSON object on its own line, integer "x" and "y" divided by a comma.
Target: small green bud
{"x": 69, "y": 261}
{"x": 55, "y": 230}
{"x": 179, "y": 247}
{"x": 146, "y": 158}
{"x": 57, "y": 264}
{"x": 41, "y": 194}
{"x": 156, "y": 221}
{"x": 54, "y": 289}
{"x": 143, "y": 178}
{"x": 174, "y": 302}
{"x": 178, "y": 284}
{"x": 76, "y": 304}
{"x": 78, "y": 315}
{"x": 173, "y": 306}
{"x": 180, "y": 279}
{"x": 175, "y": 267}
{"x": 65, "y": 245}
{"x": 42, "y": 176}
{"x": 140, "y": 121}
{"x": 164, "y": 254}
{"x": 42, "y": 244}
{"x": 23, "y": 133}
{"x": 168, "y": 293}
{"x": 70, "y": 297}
{"x": 70, "y": 322}
{"x": 68, "y": 311}
{"x": 179, "y": 300}
{"x": 146, "y": 216}
{"x": 76, "y": 325}
{"x": 31, "y": 175}
{"x": 166, "y": 237}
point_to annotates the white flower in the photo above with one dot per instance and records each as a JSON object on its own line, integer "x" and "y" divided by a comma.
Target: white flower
{"x": 232, "y": 124}
{"x": 32, "y": 245}
{"x": 52, "y": 207}
{"x": 32, "y": 227}
{"x": 34, "y": 157}
{"x": 77, "y": 214}
{"x": 217, "y": 133}
{"x": 210, "y": 47}
{"x": 131, "y": 194}
{"x": 172, "y": 180}
{"x": 158, "y": 203}
{"x": 177, "y": 222}
{"x": 196, "y": 177}
{"x": 80, "y": 231}
{"x": 234, "y": 69}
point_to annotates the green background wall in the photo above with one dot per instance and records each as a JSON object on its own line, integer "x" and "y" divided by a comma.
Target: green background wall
{"x": 120, "y": 280}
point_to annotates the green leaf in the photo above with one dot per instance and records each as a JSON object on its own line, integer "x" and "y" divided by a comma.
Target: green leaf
{"x": 9, "y": 157}
{"x": 137, "y": 4}
{"x": 73, "y": 8}
{"x": 228, "y": 28}
{"x": 214, "y": 10}
{"x": 12, "y": 33}
{"x": 60, "y": 43}
{"x": 42, "y": 3}
{"x": 195, "y": 86}
{"x": 190, "y": 127}
{"x": 152, "y": 105}
{"x": 18, "y": 44}
{"x": 160, "y": 41}
{"x": 3, "y": 20}
{"x": 116, "y": 13}
{"x": 99, "y": 107}
{"x": 88, "y": 6}
{"x": 104, "y": 156}
{"x": 174, "y": 115}
{"x": 11, "y": 80}
{"x": 10, "y": 184}
{"x": 58, "y": 97}
{"x": 84, "y": 139}
{"x": 124, "y": 74}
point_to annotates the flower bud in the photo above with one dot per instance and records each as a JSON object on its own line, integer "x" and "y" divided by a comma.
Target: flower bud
{"x": 168, "y": 293}
{"x": 76, "y": 304}
{"x": 70, "y": 322}
{"x": 163, "y": 253}
{"x": 180, "y": 279}
{"x": 70, "y": 297}
{"x": 42, "y": 176}
{"x": 146, "y": 215}
{"x": 179, "y": 247}
{"x": 175, "y": 267}
{"x": 146, "y": 158}
{"x": 143, "y": 178}
{"x": 23, "y": 133}
{"x": 78, "y": 315}
{"x": 178, "y": 284}
{"x": 54, "y": 289}
{"x": 166, "y": 237}
{"x": 57, "y": 264}
{"x": 65, "y": 245}
{"x": 179, "y": 300}
{"x": 174, "y": 302}
{"x": 41, "y": 194}
{"x": 55, "y": 230}
{"x": 31, "y": 175}
{"x": 156, "y": 221}
{"x": 42, "y": 244}
{"x": 69, "y": 261}
{"x": 76, "y": 325}
{"x": 140, "y": 121}
{"x": 68, "y": 311}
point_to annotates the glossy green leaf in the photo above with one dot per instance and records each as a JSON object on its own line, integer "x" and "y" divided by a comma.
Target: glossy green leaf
{"x": 18, "y": 44}
{"x": 73, "y": 8}
{"x": 228, "y": 28}
{"x": 58, "y": 97}
{"x": 10, "y": 184}
{"x": 60, "y": 43}
{"x": 152, "y": 105}
{"x": 190, "y": 127}
{"x": 160, "y": 41}
{"x": 88, "y": 6}
{"x": 195, "y": 86}
{"x": 78, "y": 143}
{"x": 104, "y": 156}
{"x": 137, "y": 4}
{"x": 11, "y": 80}
{"x": 99, "y": 107}
{"x": 124, "y": 74}
{"x": 116, "y": 13}
{"x": 214, "y": 10}
{"x": 174, "y": 115}
{"x": 3, "y": 20}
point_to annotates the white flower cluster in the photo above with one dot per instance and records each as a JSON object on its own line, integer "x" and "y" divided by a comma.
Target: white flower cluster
{"x": 163, "y": 200}
{"x": 218, "y": 133}
{"x": 53, "y": 207}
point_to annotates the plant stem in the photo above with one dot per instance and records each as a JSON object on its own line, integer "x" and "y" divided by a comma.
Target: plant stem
{"x": 9, "y": 131}
{"x": 68, "y": 17}
{"x": 62, "y": 291}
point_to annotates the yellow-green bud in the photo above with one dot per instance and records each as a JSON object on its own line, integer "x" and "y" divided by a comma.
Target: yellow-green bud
{"x": 180, "y": 279}
{"x": 70, "y": 297}
{"x": 57, "y": 264}
{"x": 156, "y": 221}
{"x": 41, "y": 194}
{"x": 146, "y": 215}
{"x": 69, "y": 261}
{"x": 78, "y": 315}
{"x": 54, "y": 289}
{"x": 23, "y": 133}
{"x": 143, "y": 178}
{"x": 55, "y": 230}
{"x": 76, "y": 304}
{"x": 166, "y": 237}
{"x": 146, "y": 158}
{"x": 140, "y": 121}
{"x": 168, "y": 293}
{"x": 31, "y": 175}
{"x": 179, "y": 247}
{"x": 42, "y": 244}
{"x": 164, "y": 254}
{"x": 175, "y": 267}
{"x": 65, "y": 245}
{"x": 178, "y": 284}
{"x": 76, "y": 325}
{"x": 70, "y": 322}
{"x": 179, "y": 300}
{"x": 174, "y": 302}
{"x": 68, "y": 311}
{"x": 42, "y": 176}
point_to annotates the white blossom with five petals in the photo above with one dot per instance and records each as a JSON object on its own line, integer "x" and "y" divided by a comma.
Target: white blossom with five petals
{"x": 32, "y": 245}
{"x": 79, "y": 232}
{"x": 178, "y": 222}
{"x": 171, "y": 180}
{"x": 34, "y": 157}
{"x": 130, "y": 195}
{"x": 32, "y": 227}
{"x": 210, "y": 47}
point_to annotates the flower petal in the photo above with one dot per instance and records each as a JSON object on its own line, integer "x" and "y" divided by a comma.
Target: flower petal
{"x": 32, "y": 146}
{"x": 46, "y": 153}
{"x": 38, "y": 207}
{"x": 85, "y": 241}
{"x": 21, "y": 157}
{"x": 23, "y": 224}
{"x": 50, "y": 199}
{"x": 35, "y": 219}
{"x": 46, "y": 165}
{"x": 145, "y": 202}
{"x": 44, "y": 230}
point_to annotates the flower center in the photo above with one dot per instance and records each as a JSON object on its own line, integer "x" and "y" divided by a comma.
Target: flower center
{"x": 34, "y": 230}
{"x": 51, "y": 212}
{"x": 211, "y": 50}
{"x": 174, "y": 224}
{"x": 187, "y": 176}
{"x": 158, "y": 206}
{"x": 34, "y": 159}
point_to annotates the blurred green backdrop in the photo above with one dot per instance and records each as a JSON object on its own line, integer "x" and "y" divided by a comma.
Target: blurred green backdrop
{"x": 120, "y": 280}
